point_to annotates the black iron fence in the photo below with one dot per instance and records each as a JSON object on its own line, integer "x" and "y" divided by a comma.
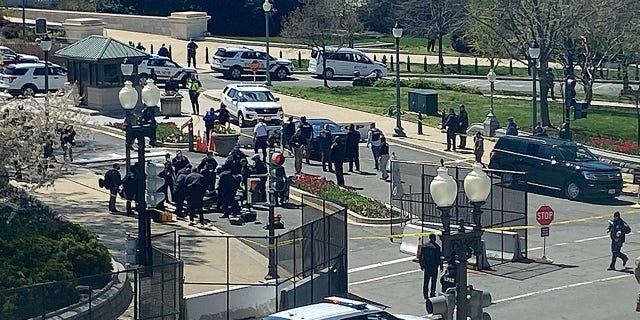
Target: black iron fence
{"x": 504, "y": 211}
{"x": 311, "y": 262}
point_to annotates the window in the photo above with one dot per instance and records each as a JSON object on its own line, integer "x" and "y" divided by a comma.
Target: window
{"x": 532, "y": 149}
{"x": 232, "y": 93}
{"x": 314, "y": 53}
{"x": 169, "y": 64}
{"x": 39, "y": 71}
{"x": 224, "y": 53}
{"x": 546, "y": 152}
{"x": 362, "y": 59}
{"x": 249, "y": 55}
{"x": 152, "y": 62}
{"x": 255, "y": 96}
{"x": 380, "y": 316}
{"x": 58, "y": 71}
{"x": 111, "y": 75}
{"x": 14, "y": 71}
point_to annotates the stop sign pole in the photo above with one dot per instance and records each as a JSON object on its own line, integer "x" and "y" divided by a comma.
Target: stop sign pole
{"x": 544, "y": 216}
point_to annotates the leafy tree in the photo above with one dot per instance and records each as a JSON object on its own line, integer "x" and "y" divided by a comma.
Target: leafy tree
{"x": 321, "y": 23}
{"x": 378, "y": 15}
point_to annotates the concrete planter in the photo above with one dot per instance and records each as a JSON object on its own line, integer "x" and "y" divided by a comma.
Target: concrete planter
{"x": 224, "y": 143}
{"x": 171, "y": 106}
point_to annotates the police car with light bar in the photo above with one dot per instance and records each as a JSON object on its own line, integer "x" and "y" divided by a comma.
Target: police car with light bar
{"x": 336, "y": 308}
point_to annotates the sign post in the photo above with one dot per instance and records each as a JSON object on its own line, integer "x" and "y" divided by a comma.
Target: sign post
{"x": 254, "y": 65}
{"x": 544, "y": 216}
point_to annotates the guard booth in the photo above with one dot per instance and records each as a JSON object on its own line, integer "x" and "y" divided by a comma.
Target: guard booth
{"x": 94, "y": 63}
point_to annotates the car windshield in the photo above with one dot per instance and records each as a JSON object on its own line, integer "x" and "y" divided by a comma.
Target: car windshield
{"x": 575, "y": 153}
{"x": 317, "y": 126}
{"x": 255, "y": 96}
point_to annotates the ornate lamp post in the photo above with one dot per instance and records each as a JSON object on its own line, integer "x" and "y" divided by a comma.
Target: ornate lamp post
{"x": 457, "y": 246}
{"x": 45, "y": 44}
{"x": 534, "y": 54}
{"x": 491, "y": 122}
{"x": 267, "y": 6}
{"x": 397, "y": 33}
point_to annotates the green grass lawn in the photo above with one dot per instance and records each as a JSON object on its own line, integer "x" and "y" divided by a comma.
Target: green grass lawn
{"x": 618, "y": 123}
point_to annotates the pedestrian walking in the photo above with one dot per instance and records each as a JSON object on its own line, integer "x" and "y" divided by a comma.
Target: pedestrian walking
{"x": 617, "y": 230}
{"x": 163, "y": 51}
{"x": 451, "y": 124}
{"x": 191, "y": 53}
{"x": 260, "y": 135}
{"x": 325, "y": 140}
{"x": 478, "y": 146}
{"x": 512, "y": 127}
{"x": 352, "y": 147}
{"x": 430, "y": 260}
{"x": 288, "y": 129}
{"x": 195, "y": 88}
{"x": 307, "y": 132}
{"x": 180, "y": 191}
{"x": 463, "y": 125}
{"x": 195, "y": 187}
{"x": 223, "y": 115}
{"x": 209, "y": 122}
{"x": 112, "y": 181}
{"x": 373, "y": 139}
{"x": 298, "y": 143}
{"x": 337, "y": 157}
{"x": 179, "y": 162}
{"x": 384, "y": 158}
{"x": 130, "y": 186}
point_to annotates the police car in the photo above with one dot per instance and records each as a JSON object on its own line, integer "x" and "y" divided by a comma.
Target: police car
{"x": 336, "y": 308}
{"x": 165, "y": 69}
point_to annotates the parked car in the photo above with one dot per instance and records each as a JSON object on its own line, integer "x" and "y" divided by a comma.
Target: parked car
{"x": 234, "y": 62}
{"x": 27, "y": 79}
{"x": 249, "y": 102}
{"x": 318, "y": 124}
{"x": 11, "y": 57}
{"x": 165, "y": 69}
{"x": 344, "y": 62}
{"x": 558, "y": 165}
{"x": 336, "y": 308}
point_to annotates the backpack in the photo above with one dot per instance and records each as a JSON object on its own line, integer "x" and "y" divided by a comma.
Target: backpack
{"x": 375, "y": 134}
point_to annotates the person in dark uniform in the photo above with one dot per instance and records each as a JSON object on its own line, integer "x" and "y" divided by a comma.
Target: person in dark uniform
{"x": 337, "y": 158}
{"x": 207, "y": 168}
{"x": 288, "y": 130}
{"x": 169, "y": 178}
{"x": 307, "y": 132}
{"x": 463, "y": 125}
{"x": 617, "y": 230}
{"x": 325, "y": 140}
{"x": 141, "y": 47}
{"x": 191, "y": 53}
{"x": 227, "y": 188}
{"x": 430, "y": 260}
{"x": 180, "y": 191}
{"x": 112, "y": 181}
{"x": 129, "y": 186}
{"x": 209, "y": 122}
{"x": 163, "y": 51}
{"x": 352, "y": 151}
{"x": 260, "y": 167}
{"x": 448, "y": 279}
{"x": 298, "y": 143}
{"x": 179, "y": 162}
{"x": 195, "y": 189}
{"x": 452, "y": 128}
{"x": 223, "y": 115}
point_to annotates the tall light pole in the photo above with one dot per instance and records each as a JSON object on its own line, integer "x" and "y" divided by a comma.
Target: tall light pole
{"x": 534, "y": 54}
{"x": 24, "y": 22}
{"x": 491, "y": 122}
{"x": 45, "y": 44}
{"x": 397, "y": 33}
{"x": 267, "y": 6}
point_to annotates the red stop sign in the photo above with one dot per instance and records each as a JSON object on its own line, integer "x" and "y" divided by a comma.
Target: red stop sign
{"x": 254, "y": 65}
{"x": 544, "y": 215}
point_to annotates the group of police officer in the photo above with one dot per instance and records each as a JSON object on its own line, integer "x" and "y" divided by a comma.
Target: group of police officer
{"x": 194, "y": 185}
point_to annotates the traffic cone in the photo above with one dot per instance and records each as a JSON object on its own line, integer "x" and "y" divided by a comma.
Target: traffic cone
{"x": 418, "y": 249}
{"x": 198, "y": 143}
{"x": 212, "y": 146}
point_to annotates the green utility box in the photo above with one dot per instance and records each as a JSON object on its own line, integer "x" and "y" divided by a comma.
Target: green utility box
{"x": 424, "y": 101}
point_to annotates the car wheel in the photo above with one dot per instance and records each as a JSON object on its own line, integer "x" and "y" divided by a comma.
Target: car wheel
{"x": 572, "y": 190}
{"x": 281, "y": 74}
{"x": 29, "y": 90}
{"x": 235, "y": 73}
{"x": 142, "y": 79}
{"x": 378, "y": 73}
{"x": 328, "y": 73}
{"x": 241, "y": 121}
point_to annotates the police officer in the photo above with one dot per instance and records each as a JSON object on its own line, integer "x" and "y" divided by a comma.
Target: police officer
{"x": 448, "y": 279}
{"x": 288, "y": 130}
{"x": 179, "y": 190}
{"x": 227, "y": 188}
{"x": 337, "y": 159}
{"x": 195, "y": 88}
{"x": 373, "y": 139}
{"x": 430, "y": 260}
{"x": 129, "y": 186}
{"x": 298, "y": 143}
{"x": 169, "y": 177}
{"x": 260, "y": 135}
{"x": 307, "y": 132}
{"x": 260, "y": 167}
{"x": 191, "y": 53}
{"x": 195, "y": 189}
{"x": 179, "y": 162}
{"x": 452, "y": 128}
{"x": 207, "y": 168}
{"x": 163, "y": 51}
{"x": 112, "y": 181}
{"x": 325, "y": 140}
{"x": 223, "y": 115}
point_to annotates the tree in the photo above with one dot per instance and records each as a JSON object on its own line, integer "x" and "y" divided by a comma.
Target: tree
{"x": 27, "y": 128}
{"x": 511, "y": 25}
{"x": 432, "y": 19}
{"x": 378, "y": 15}
{"x": 323, "y": 23}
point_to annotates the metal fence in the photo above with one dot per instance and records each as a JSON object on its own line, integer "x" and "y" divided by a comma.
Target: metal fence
{"x": 505, "y": 209}
{"x": 311, "y": 260}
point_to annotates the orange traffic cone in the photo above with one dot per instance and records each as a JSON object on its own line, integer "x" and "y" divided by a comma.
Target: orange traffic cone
{"x": 198, "y": 143}
{"x": 212, "y": 146}
{"x": 418, "y": 249}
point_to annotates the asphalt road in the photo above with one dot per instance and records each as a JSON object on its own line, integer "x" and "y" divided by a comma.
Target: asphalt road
{"x": 576, "y": 286}
{"x": 211, "y": 80}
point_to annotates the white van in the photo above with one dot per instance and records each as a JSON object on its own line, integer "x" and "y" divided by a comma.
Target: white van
{"x": 344, "y": 62}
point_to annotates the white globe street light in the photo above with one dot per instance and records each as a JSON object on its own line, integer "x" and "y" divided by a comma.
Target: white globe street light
{"x": 128, "y": 96}
{"x": 534, "y": 54}
{"x": 477, "y": 187}
{"x": 150, "y": 94}
{"x": 491, "y": 122}
{"x": 444, "y": 191}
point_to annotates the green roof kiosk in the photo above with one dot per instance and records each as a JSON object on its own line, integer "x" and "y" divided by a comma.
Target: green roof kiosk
{"x": 94, "y": 64}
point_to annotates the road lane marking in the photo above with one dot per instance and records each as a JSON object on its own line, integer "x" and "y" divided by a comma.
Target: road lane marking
{"x": 384, "y": 277}
{"x": 380, "y": 264}
{"x": 591, "y": 239}
{"x": 569, "y": 286}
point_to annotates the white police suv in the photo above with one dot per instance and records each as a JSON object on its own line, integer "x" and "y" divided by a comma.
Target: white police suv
{"x": 165, "y": 69}
{"x": 249, "y": 102}
{"x": 336, "y": 308}
{"x": 234, "y": 62}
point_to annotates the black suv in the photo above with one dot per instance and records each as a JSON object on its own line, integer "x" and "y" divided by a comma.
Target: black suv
{"x": 557, "y": 165}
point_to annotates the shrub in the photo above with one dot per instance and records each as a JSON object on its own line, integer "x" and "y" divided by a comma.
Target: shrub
{"x": 169, "y": 132}
{"x": 11, "y": 31}
{"x": 427, "y": 84}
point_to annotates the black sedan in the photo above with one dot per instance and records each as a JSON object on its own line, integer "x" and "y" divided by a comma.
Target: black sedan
{"x": 318, "y": 125}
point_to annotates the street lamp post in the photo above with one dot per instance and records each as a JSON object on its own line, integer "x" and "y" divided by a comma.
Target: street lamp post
{"x": 534, "y": 54}
{"x": 45, "y": 44}
{"x": 491, "y": 122}
{"x": 138, "y": 129}
{"x": 456, "y": 246}
{"x": 267, "y": 6}
{"x": 397, "y": 33}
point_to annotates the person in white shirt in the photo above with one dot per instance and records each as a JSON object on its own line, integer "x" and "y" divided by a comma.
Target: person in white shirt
{"x": 260, "y": 135}
{"x": 373, "y": 139}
